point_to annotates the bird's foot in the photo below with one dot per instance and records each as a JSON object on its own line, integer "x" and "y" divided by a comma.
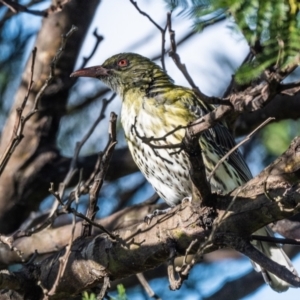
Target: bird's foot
{"x": 187, "y": 199}
{"x": 157, "y": 212}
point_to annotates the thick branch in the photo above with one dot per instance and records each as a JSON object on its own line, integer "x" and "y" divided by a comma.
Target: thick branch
{"x": 272, "y": 195}
{"x": 281, "y": 108}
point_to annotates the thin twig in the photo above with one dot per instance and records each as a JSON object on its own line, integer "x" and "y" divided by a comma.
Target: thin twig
{"x": 247, "y": 138}
{"x": 153, "y": 147}
{"x": 187, "y": 252}
{"x": 19, "y": 122}
{"x": 16, "y": 7}
{"x": 176, "y": 58}
{"x": 86, "y": 185}
{"x": 99, "y": 177}
{"x": 275, "y": 240}
{"x": 184, "y": 270}
{"x": 232, "y": 85}
{"x": 80, "y": 144}
{"x": 86, "y": 102}
{"x": 181, "y": 41}
{"x": 73, "y": 165}
{"x": 63, "y": 260}
{"x": 162, "y": 30}
{"x": 58, "y": 54}
{"x": 148, "y": 141}
{"x": 105, "y": 286}
{"x": 68, "y": 209}
{"x": 146, "y": 286}
{"x": 99, "y": 39}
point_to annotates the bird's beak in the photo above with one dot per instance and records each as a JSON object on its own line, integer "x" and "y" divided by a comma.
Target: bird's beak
{"x": 95, "y": 72}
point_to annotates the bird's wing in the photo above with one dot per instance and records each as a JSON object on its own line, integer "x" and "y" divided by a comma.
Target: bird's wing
{"x": 222, "y": 141}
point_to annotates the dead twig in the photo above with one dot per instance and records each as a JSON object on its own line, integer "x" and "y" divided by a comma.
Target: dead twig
{"x": 176, "y": 58}
{"x": 19, "y": 122}
{"x": 146, "y": 286}
{"x": 181, "y": 41}
{"x": 65, "y": 208}
{"x": 64, "y": 258}
{"x": 247, "y": 138}
{"x": 58, "y": 54}
{"x": 100, "y": 175}
{"x": 171, "y": 271}
{"x": 148, "y": 141}
{"x": 275, "y": 240}
{"x": 99, "y": 39}
{"x": 184, "y": 270}
{"x": 86, "y": 102}
{"x": 73, "y": 165}
{"x": 16, "y": 7}
{"x": 105, "y": 286}
{"x": 80, "y": 144}
{"x": 162, "y": 30}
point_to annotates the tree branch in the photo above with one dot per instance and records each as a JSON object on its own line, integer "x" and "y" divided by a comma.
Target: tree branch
{"x": 143, "y": 245}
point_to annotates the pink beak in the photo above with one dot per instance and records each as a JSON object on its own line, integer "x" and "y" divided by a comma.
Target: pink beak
{"x": 95, "y": 72}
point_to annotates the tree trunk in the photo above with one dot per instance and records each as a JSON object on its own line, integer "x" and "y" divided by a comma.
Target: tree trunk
{"x": 25, "y": 180}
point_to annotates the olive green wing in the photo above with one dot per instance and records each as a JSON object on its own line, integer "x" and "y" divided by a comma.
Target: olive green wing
{"x": 222, "y": 141}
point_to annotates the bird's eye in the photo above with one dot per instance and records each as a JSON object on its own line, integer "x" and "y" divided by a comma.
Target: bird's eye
{"x": 123, "y": 62}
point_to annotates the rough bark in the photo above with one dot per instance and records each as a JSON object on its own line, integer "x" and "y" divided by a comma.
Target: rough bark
{"x": 271, "y": 196}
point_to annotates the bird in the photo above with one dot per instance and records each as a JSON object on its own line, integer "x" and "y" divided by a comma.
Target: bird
{"x": 154, "y": 107}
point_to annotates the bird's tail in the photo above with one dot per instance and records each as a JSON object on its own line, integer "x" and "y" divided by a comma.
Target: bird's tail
{"x": 276, "y": 253}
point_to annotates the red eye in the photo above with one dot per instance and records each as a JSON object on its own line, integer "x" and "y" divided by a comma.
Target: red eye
{"x": 123, "y": 62}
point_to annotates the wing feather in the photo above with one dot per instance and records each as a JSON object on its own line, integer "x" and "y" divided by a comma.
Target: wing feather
{"x": 222, "y": 141}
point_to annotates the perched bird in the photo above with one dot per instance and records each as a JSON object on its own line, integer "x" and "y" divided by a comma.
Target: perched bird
{"x": 154, "y": 106}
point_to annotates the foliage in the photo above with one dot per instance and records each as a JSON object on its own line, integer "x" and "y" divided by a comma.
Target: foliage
{"x": 121, "y": 292}
{"x": 120, "y": 296}
{"x": 271, "y": 28}
{"x": 87, "y": 296}
{"x": 277, "y": 136}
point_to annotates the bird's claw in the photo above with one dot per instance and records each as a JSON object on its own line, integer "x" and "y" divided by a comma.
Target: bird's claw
{"x": 187, "y": 199}
{"x": 148, "y": 218}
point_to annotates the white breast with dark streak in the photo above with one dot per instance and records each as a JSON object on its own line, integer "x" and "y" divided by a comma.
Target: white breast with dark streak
{"x": 168, "y": 174}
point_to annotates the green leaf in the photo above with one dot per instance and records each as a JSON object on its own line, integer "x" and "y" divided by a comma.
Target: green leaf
{"x": 276, "y": 137}
{"x": 274, "y": 24}
{"x": 121, "y": 292}
{"x": 87, "y": 296}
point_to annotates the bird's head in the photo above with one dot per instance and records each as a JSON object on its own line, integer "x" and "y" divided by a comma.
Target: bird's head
{"x": 125, "y": 71}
